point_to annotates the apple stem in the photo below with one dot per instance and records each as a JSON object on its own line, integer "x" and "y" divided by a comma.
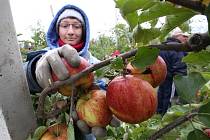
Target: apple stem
{"x": 125, "y": 62}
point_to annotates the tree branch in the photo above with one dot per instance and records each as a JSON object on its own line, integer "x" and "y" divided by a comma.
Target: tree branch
{"x": 196, "y": 43}
{"x": 173, "y": 124}
{"x": 192, "y": 4}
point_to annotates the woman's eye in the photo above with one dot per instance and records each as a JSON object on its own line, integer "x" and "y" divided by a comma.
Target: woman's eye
{"x": 65, "y": 26}
{"x": 76, "y": 26}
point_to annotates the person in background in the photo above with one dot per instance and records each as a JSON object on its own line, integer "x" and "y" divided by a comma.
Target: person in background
{"x": 175, "y": 66}
{"x": 68, "y": 36}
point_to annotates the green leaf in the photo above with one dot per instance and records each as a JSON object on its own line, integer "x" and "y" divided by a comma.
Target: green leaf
{"x": 70, "y": 132}
{"x": 204, "y": 117}
{"x": 185, "y": 27}
{"x": 188, "y": 85}
{"x": 159, "y": 10}
{"x": 148, "y": 4}
{"x": 145, "y": 56}
{"x": 99, "y": 72}
{"x": 145, "y": 35}
{"x": 198, "y": 58}
{"x": 132, "y": 19}
{"x": 206, "y": 75}
{"x": 39, "y": 132}
{"x": 174, "y": 112}
{"x": 197, "y": 135}
{"x": 207, "y": 13}
{"x": 66, "y": 117}
{"x": 133, "y": 5}
{"x": 153, "y": 23}
{"x": 205, "y": 90}
{"x": 172, "y": 135}
{"x": 119, "y": 3}
{"x": 175, "y": 20}
{"x": 117, "y": 63}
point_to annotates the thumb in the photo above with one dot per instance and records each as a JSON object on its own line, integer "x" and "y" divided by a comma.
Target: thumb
{"x": 115, "y": 122}
{"x": 83, "y": 127}
{"x": 99, "y": 132}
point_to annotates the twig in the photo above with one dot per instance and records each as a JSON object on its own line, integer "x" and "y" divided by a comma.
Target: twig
{"x": 192, "y": 4}
{"x": 74, "y": 90}
{"x": 173, "y": 124}
{"x": 196, "y": 42}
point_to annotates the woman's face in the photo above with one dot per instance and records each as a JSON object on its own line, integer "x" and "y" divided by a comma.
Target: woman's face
{"x": 70, "y": 31}
{"x": 182, "y": 38}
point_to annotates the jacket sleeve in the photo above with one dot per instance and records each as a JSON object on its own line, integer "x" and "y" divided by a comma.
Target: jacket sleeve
{"x": 29, "y": 68}
{"x": 179, "y": 67}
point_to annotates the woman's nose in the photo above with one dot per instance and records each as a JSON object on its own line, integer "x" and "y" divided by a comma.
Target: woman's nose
{"x": 70, "y": 30}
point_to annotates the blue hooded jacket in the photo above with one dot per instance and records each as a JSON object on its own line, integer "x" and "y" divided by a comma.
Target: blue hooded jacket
{"x": 52, "y": 35}
{"x": 52, "y": 43}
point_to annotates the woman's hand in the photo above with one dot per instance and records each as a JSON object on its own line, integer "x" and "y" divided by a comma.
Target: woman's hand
{"x": 51, "y": 61}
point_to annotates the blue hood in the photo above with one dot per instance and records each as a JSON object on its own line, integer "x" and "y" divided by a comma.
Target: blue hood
{"x": 52, "y": 35}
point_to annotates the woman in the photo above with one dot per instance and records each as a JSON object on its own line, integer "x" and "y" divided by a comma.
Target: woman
{"x": 68, "y": 37}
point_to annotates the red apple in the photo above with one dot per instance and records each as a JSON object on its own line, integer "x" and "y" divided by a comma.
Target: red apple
{"x": 93, "y": 109}
{"x": 55, "y": 132}
{"x": 84, "y": 82}
{"x": 131, "y": 99}
{"x": 155, "y": 73}
{"x": 207, "y": 132}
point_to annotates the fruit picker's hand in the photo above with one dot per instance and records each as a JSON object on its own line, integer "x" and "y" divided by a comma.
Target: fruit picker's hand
{"x": 101, "y": 132}
{"x": 51, "y": 61}
{"x": 98, "y": 132}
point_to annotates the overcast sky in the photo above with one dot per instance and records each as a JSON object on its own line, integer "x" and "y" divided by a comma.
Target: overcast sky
{"x": 102, "y": 14}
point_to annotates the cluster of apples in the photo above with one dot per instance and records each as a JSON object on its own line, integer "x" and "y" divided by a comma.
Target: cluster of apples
{"x": 131, "y": 98}
{"x": 91, "y": 106}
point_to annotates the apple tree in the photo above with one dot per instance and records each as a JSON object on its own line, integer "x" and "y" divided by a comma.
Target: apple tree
{"x": 188, "y": 120}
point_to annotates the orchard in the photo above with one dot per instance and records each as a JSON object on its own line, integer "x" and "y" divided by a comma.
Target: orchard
{"x": 132, "y": 80}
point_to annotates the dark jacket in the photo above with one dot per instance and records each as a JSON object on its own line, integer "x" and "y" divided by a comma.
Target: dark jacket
{"x": 175, "y": 66}
{"x": 52, "y": 42}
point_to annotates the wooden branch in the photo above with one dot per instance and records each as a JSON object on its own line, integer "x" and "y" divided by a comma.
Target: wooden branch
{"x": 196, "y": 43}
{"x": 73, "y": 78}
{"x": 173, "y": 124}
{"x": 74, "y": 92}
{"x": 192, "y": 4}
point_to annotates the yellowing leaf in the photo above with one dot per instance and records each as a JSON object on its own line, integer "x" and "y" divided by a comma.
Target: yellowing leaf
{"x": 206, "y": 2}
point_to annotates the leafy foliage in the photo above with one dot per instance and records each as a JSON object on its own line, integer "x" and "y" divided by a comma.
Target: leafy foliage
{"x": 150, "y": 11}
{"x": 38, "y": 37}
{"x": 121, "y": 39}
{"x": 38, "y": 41}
